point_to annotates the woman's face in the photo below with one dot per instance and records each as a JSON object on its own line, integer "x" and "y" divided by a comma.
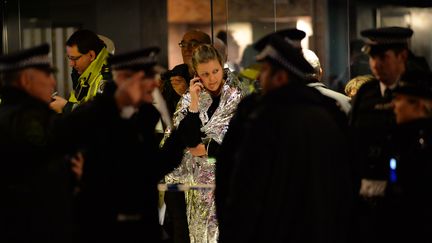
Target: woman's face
{"x": 211, "y": 75}
{"x": 407, "y": 108}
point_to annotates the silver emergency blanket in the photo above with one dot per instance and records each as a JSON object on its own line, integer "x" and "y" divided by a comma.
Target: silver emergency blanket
{"x": 201, "y": 211}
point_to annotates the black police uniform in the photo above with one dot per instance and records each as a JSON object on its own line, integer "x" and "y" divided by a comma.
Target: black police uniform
{"x": 289, "y": 178}
{"x": 35, "y": 181}
{"x": 226, "y": 156}
{"x": 408, "y": 200}
{"x": 372, "y": 117}
{"x": 373, "y": 122}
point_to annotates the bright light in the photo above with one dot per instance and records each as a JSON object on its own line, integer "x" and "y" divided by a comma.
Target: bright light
{"x": 242, "y": 34}
{"x": 393, "y": 164}
{"x": 305, "y": 24}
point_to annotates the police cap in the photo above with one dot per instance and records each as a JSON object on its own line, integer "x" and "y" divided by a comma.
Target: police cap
{"x": 292, "y": 36}
{"x": 143, "y": 59}
{"x": 382, "y": 39}
{"x": 283, "y": 53}
{"x": 418, "y": 84}
{"x": 180, "y": 70}
{"x": 35, "y": 57}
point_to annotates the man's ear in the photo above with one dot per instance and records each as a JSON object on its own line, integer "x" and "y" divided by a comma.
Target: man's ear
{"x": 320, "y": 74}
{"x": 92, "y": 55}
{"x": 404, "y": 55}
{"x": 280, "y": 78}
{"x": 25, "y": 80}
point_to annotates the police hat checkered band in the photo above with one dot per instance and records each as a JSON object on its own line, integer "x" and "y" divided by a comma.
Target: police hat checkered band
{"x": 294, "y": 43}
{"x": 41, "y": 60}
{"x": 270, "y": 52}
{"x": 292, "y": 36}
{"x": 146, "y": 60}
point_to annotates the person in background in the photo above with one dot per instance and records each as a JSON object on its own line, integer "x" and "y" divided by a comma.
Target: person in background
{"x": 203, "y": 117}
{"x": 372, "y": 122}
{"x": 341, "y": 100}
{"x": 36, "y": 181}
{"x": 175, "y": 82}
{"x": 408, "y": 196}
{"x": 87, "y": 55}
{"x": 222, "y": 49}
{"x": 232, "y": 50}
{"x": 359, "y": 61}
{"x": 271, "y": 194}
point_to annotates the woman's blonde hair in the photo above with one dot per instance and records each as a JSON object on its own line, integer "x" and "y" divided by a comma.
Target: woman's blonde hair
{"x": 205, "y": 53}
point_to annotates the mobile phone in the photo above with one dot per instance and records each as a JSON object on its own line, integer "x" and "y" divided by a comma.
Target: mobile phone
{"x": 198, "y": 80}
{"x": 53, "y": 95}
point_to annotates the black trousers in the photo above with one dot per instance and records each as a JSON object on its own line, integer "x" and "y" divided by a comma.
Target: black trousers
{"x": 176, "y": 219}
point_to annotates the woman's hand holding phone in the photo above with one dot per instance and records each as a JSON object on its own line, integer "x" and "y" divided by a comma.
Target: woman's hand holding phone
{"x": 195, "y": 87}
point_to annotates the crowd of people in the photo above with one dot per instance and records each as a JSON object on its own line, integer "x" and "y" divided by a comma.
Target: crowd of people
{"x": 288, "y": 161}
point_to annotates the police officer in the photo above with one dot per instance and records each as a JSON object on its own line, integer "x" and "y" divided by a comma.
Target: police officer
{"x": 87, "y": 55}
{"x": 123, "y": 163}
{"x": 373, "y": 120}
{"x": 294, "y": 36}
{"x": 35, "y": 182}
{"x": 289, "y": 179}
{"x": 408, "y": 201}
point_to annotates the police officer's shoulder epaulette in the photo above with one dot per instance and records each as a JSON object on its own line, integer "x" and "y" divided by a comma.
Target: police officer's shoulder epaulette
{"x": 367, "y": 86}
{"x": 357, "y": 98}
{"x": 106, "y": 72}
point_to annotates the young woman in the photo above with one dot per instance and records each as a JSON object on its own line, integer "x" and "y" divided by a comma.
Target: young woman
{"x": 202, "y": 116}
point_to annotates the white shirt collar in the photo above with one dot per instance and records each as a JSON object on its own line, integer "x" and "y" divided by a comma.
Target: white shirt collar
{"x": 383, "y": 87}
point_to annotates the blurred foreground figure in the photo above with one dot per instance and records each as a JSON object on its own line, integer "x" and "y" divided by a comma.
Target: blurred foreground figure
{"x": 119, "y": 197}
{"x": 290, "y": 176}
{"x": 35, "y": 181}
